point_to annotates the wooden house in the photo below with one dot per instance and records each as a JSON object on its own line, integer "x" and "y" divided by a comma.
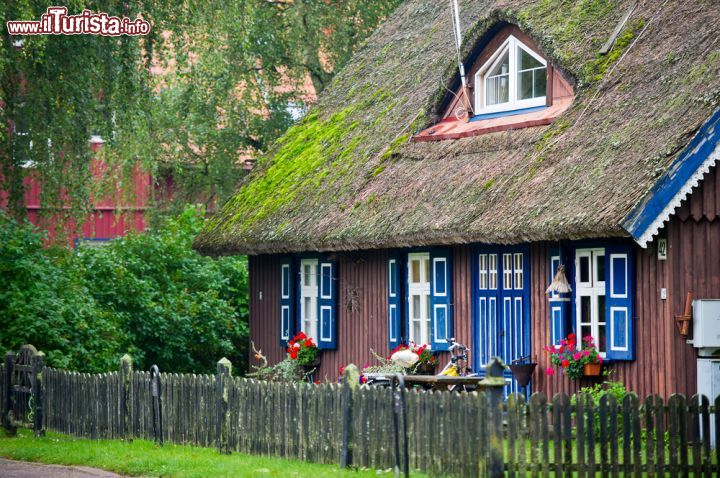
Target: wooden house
{"x": 406, "y": 207}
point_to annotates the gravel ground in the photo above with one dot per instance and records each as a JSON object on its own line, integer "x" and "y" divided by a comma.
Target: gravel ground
{"x": 21, "y": 469}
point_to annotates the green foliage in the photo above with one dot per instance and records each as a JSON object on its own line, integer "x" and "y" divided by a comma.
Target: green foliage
{"x": 599, "y": 390}
{"x": 46, "y": 301}
{"x": 232, "y": 75}
{"x": 287, "y": 371}
{"x": 596, "y": 392}
{"x": 149, "y": 294}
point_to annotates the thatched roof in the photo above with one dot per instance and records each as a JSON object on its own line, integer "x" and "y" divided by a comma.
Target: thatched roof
{"x": 347, "y": 177}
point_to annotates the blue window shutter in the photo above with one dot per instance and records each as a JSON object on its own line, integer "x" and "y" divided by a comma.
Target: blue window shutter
{"x": 619, "y": 295}
{"x": 287, "y": 312}
{"x": 441, "y": 294}
{"x": 394, "y": 301}
{"x": 327, "y": 304}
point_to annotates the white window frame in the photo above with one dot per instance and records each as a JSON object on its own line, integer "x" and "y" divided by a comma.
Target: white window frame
{"x": 421, "y": 289}
{"x": 309, "y": 320}
{"x": 507, "y": 271}
{"x": 483, "y": 273}
{"x": 492, "y": 271}
{"x": 510, "y": 45}
{"x": 518, "y": 270}
{"x": 594, "y": 288}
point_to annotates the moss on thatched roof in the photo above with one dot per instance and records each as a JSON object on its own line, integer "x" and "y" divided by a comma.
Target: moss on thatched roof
{"x": 347, "y": 177}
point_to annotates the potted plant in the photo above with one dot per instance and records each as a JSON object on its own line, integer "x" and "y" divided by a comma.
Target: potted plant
{"x": 573, "y": 361}
{"x": 302, "y": 349}
{"x": 426, "y": 360}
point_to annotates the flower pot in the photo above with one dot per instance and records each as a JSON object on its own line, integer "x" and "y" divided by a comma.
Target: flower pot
{"x": 523, "y": 372}
{"x": 592, "y": 369}
{"x": 424, "y": 369}
{"x": 309, "y": 367}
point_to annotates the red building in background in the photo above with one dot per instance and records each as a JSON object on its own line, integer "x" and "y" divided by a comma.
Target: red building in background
{"x": 111, "y": 216}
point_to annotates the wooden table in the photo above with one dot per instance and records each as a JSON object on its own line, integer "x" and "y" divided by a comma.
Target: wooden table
{"x": 440, "y": 382}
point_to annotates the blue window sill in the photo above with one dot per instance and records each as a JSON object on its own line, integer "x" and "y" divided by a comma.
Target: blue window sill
{"x": 500, "y": 114}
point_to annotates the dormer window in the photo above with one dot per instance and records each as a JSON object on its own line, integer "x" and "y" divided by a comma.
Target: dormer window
{"x": 511, "y": 85}
{"x": 514, "y": 78}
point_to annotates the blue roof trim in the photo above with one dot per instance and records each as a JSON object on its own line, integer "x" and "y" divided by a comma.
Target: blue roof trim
{"x": 649, "y": 215}
{"x": 500, "y": 114}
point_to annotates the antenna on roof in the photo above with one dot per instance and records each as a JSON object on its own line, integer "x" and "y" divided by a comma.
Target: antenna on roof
{"x": 461, "y": 112}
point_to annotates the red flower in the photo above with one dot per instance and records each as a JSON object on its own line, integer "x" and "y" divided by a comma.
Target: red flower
{"x": 341, "y": 370}
{"x": 549, "y": 371}
{"x": 363, "y": 379}
{"x": 565, "y": 363}
{"x": 317, "y": 382}
{"x": 293, "y": 354}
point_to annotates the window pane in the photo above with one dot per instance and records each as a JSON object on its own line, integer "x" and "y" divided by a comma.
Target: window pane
{"x": 416, "y": 307}
{"x": 526, "y": 60}
{"x": 497, "y": 82}
{"x": 601, "y": 308}
{"x": 308, "y": 308}
{"x": 585, "y": 312}
{"x": 584, "y": 269}
{"x": 601, "y": 339}
{"x": 416, "y": 331}
{"x": 427, "y": 309}
{"x": 540, "y": 83}
{"x": 585, "y": 330}
{"x": 525, "y": 84}
{"x": 308, "y": 275}
{"x": 426, "y": 261}
{"x": 600, "y": 269}
{"x": 415, "y": 264}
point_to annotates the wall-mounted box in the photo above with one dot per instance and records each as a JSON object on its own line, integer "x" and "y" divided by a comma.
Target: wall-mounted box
{"x": 706, "y": 324}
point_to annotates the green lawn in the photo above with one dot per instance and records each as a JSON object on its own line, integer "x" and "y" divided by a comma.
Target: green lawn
{"x": 143, "y": 458}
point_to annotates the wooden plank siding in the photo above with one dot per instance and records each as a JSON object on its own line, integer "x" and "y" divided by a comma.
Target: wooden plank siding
{"x": 664, "y": 364}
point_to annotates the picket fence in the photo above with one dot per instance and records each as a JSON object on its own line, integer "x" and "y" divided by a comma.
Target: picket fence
{"x": 470, "y": 434}
{"x": 447, "y": 434}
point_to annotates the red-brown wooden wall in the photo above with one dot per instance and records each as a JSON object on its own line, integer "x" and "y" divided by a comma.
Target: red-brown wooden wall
{"x": 665, "y": 364}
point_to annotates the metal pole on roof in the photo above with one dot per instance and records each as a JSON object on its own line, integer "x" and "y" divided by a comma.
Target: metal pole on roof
{"x": 458, "y": 40}
{"x": 458, "y": 43}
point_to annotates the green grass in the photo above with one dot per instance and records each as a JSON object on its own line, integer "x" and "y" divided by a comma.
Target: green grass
{"x": 144, "y": 458}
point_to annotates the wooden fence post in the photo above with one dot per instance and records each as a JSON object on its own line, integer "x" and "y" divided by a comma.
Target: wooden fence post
{"x": 38, "y": 363}
{"x": 156, "y": 398}
{"x": 351, "y": 380}
{"x": 7, "y": 422}
{"x": 494, "y": 384}
{"x": 224, "y": 372}
{"x": 126, "y": 396}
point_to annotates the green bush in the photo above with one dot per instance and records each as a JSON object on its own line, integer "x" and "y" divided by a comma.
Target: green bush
{"x": 147, "y": 294}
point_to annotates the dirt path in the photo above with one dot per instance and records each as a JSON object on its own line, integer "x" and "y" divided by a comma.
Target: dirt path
{"x": 21, "y": 469}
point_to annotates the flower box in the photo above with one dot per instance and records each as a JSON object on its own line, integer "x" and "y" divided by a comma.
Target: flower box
{"x": 592, "y": 369}
{"x": 575, "y": 360}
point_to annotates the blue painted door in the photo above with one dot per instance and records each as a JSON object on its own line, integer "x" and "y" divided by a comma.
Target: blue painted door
{"x": 501, "y": 312}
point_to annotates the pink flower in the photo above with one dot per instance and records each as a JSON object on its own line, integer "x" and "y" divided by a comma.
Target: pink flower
{"x": 586, "y": 353}
{"x": 599, "y": 359}
{"x": 577, "y": 356}
{"x": 549, "y": 371}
